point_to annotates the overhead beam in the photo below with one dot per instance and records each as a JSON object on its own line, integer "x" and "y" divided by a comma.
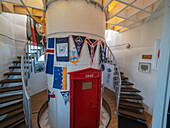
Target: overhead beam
{"x": 0, "y": 7}
{"x": 8, "y": 6}
{"x": 43, "y": 1}
{"x": 118, "y": 9}
{"x": 26, "y": 8}
{"x": 133, "y": 6}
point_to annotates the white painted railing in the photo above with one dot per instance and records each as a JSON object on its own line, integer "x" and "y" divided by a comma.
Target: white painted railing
{"x": 28, "y": 62}
{"x": 117, "y": 75}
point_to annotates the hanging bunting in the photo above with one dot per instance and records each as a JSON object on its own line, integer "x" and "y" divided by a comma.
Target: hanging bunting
{"x": 102, "y": 48}
{"x": 78, "y": 42}
{"x": 62, "y": 49}
{"x": 50, "y": 56}
{"x": 60, "y": 78}
{"x": 65, "y": 95}
{"x": 92, "y": 46}
{"x": 73, "y": 57}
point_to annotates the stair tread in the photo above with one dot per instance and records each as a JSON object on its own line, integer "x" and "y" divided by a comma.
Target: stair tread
{"x": 130, "y": 108}
{"x": 19, "y": 57}
{"x": 10, "y": 98}
{"x": 10, "y": 81}
{"x": 17, "y": 61}
{"x": 18, "y": 123}
{"x": 22, "y": 125}
{"x": 14, "y": 67}
{"x": 130, "y": 96}
{"x": 7, "y": 89}
{"x": 11, "y": 108}
{"x": 133, "y": 114}
{"x": 129, "y": 90}
{"x": 127, "y": 83}
{"x": 12, "y": 73}
{"x": 11, "y": 120}
{"x": 124, "y": 77}
{"x": 131, "y": 104}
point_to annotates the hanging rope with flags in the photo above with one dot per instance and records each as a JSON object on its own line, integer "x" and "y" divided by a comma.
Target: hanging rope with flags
{"x": 92, "y": 46}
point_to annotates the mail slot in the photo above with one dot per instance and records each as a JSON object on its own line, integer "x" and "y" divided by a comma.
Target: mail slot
{"x": 85, "y": 97}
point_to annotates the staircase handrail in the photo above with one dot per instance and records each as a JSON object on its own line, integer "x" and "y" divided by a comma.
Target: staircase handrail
{"x": 28, "y": 63}
{"x": 26, "y": 97}
{"x": 117, "y": 91}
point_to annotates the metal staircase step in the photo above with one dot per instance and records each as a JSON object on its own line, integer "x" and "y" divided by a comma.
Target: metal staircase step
{"x": 121, "y": 73}
{"x": 130, "y": 96}
{"x": 17, "y": 61}
{"x": 130, "y": 108}
{"x": 136, "y": 115}
{"x": 131, "y": 104}
{"x": 12, "y": 119}
{"x": 15, "y": 67}
{"x": 129, "y": 90}
{"x": 22, "y": 125}
{"x": 10, "y": 108}
{"x": 12, "y": 73}
{"x": 19, "y": 57}
{"x": 124, "y": 78}
{"x": 127, "y": 83}
{"x": 10, "y": 81}
{"x": 18, "y": 124}
{"x": 10, "y": 98}
{"x": 8, "y": 89}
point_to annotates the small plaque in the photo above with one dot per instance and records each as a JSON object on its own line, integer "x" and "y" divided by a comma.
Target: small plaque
{"x": 147, "y": 57}
{"x": 86, "y": 85}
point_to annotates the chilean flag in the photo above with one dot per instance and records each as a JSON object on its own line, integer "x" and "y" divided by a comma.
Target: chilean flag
{"x": 50, "y": 56}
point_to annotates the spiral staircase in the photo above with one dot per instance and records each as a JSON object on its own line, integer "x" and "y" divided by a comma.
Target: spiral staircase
{"x": 129, "y": 102}
{"x": 15, "y": 108}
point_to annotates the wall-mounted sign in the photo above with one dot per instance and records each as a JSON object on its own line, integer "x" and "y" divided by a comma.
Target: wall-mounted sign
{"x": 147, "y": 57}
{"x": 144, "y": 67}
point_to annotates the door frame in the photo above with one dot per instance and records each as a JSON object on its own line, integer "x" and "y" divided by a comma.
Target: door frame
{"x": 88, "y": 73}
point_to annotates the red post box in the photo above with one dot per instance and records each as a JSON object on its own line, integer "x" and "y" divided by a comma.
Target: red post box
{"x": 85, "y": 97}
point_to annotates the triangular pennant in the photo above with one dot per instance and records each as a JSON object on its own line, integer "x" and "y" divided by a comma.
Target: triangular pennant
{"x": 92, "y": 46}
{"x": 78, "y": 42}
{"x": 65, "y": 95}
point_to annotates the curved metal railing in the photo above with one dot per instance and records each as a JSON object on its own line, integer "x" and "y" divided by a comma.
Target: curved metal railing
{"x": 28, "y": 60}
{"x": 117, "y": 75}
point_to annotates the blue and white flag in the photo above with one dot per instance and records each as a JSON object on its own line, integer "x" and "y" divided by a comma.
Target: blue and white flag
{"x": 62, "y": 49}
{"x": 65, "y": 95}
{"x": 50, "y": 56}
{"x": 78, "y": 42}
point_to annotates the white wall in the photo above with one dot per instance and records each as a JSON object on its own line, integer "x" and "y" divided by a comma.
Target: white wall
{"x": 142, "y": 41}
{"x": 20, "y": 32}
{"x": 7, "y": 45}
{"x": 9, "y": 32}
{"x": 37, "y": 83}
